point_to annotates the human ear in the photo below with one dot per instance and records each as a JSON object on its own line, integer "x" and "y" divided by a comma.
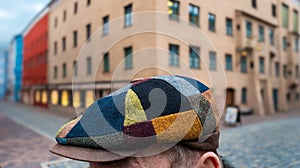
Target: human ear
{"x": 208, "y": 160}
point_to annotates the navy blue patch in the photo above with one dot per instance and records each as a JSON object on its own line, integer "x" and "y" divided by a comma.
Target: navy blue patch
{"x": 159, "y": 98}
{"x": 62, "y": 141}
{"x": 195, "y": 83}
{"x": 77, "y": 131}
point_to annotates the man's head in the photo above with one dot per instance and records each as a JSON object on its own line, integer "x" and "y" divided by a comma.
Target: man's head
{"x": 164, "y": 121}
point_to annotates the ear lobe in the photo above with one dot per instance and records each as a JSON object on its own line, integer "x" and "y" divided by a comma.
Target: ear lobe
{"x": 208, "y": 160}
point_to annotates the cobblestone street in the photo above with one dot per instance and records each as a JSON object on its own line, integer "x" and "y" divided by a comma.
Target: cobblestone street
{"x": 27, "y": 133}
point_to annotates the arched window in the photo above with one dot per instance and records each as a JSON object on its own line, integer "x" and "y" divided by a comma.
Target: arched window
{"x": 64, "y": 98}
{"x": 54, "y": 97}
{"x": 44, "y": 97}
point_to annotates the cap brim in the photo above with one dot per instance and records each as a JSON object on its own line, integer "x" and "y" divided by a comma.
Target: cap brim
{"x": 85, "y": 154}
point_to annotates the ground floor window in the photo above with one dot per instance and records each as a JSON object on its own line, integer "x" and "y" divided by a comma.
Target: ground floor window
{"x": 54, "y": 97}
{"x": 64, "y": 98}
{"x": 89, "y": 98}
{"x": 44, "y": 97}
{"x": 76, "y": 99}
{"x": 37, "y": 96}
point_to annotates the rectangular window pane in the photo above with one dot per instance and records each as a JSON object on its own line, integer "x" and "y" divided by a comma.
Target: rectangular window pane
{"x": 296, "y": 21}
{"x": 244, "y": 95}
{"x": 212, "y": 60}
{"x": 249, "y": 29}
{"x": 128, "y": 57}
{"x": 274, "y": 11}
{"x": 285, "y": 16}
{"x": 194, "y": 57}
{"x": 261, "y": 33}
{"x": 75, "y": 68}
{"x": 75, "y": 7}
{"x": 194, "y": 14}
{"x": 297, "y": 71}
{"x": 173, "y": 55}
{"x": 55, "y": 48}
{"x": 64, "y": 43}
{"x": 285, "y": 71}
{"x": 105, "y": 25}
{"x": 64, "y": 71}
{"x": 284, "y": 43}
{"x": 261, "y": 65}
{"x": 228, "y": 59}
{"x": 128, "y": 15}
{"x": 254, "y": 4}
{"x": 88, "y": 31}
{"x": 244, "y": 64}
{"x": 173, "y": 9}
{"x": 75, "y": 38}
{"x": 106, "y": 62}
{"x": 271, "y": 35}
{"x": 89, "y": 65}
{"x": 229, "y": 29}
{"x": 296, "y": 43}
{"x": 211, "y": 22}
{"x": 277, "y": 69}
{"x": 55, "y": 72}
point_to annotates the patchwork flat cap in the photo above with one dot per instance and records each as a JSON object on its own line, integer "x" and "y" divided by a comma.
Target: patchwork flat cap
{"x": 147, "y": 112}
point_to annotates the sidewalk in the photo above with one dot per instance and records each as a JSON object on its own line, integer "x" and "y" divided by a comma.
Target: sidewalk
{"x": 22, "y": 148}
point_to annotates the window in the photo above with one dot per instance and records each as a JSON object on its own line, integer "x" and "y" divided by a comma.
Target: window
{"x": 75, "y": 68}
{"x": 244, "y": 95}
{"x": 64, "y": 43}
{"x": 173, "y": 9}
{"x": 105, "y": 25}
{"x": 284, "y": 43}
{"x": 75, "y": 7}
{"x": 274, "y": 12}
{"x": 54, "y": 97}
{"x": 194, "y": 14}
{"x": 106, "y": 62}
{"x": 194, "y": 57}
{"x": 64, "y": 70}
{"x": 261, "y": 65}
{"x": 128, "y": 57}
{"x": 295, "y": 21}
{"x": 285, "y": 16}
{"x": 254, "y": 4}
{"x": 88, "y": 2}
{"x": 212, "y": 22}
{"x": 244, "y": 64}
{"x": 296, "y": 43}
{"x": 297, "y": 71}
{"x": 228, "y": 59}
{"x": 89, "y": 65}
{"x": 74, "y": 38}
{"x": 65, "y": 15}
{"x": 173, "y": 55}
{"x": 285, "y": 71}
{"x": 55, "y": 72}
{"x": 64, "y": 98}
{"x": 55, "y": 22}
{"x": 128, "y": 15}
{"x": 261, "y": 32}
{"x": 55, "y": 48}
{"x": 249, "y": 29}
{"x": 212, "y": 60}
{"x": 271, "y": 36}
{"x": 229, "y": 28}
{"x": 88, "y": 31}
{"x": 76, "y": 99}
{"x": 277, "y": 69}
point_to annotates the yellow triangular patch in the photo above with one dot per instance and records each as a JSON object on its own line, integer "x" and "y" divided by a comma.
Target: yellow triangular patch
{"x": 134, "y": 111}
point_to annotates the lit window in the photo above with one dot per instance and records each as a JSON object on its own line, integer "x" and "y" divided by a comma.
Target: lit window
{"x": 173, "y": 55}
{"x": 194, "y": 14}
{"x": 37, "y": 96}
{"x": 44, "y": 97}
{"x": 128, "y": 15}
{"x": 89, "y": 98}
{"x": 76, "y": 99}
{"x": 54, "y": 97}
{"x": 64, "y": 98}
{"x": 173, "y": 9}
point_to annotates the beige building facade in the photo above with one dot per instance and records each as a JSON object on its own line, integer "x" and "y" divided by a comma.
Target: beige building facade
{"x": 247, "y": 50}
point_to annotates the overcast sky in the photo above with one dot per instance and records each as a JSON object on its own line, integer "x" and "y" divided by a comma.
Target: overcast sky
{"x": 15, "y": 15}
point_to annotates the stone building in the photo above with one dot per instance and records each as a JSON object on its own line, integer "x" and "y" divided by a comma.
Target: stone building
{"x": 98, "y": 46}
